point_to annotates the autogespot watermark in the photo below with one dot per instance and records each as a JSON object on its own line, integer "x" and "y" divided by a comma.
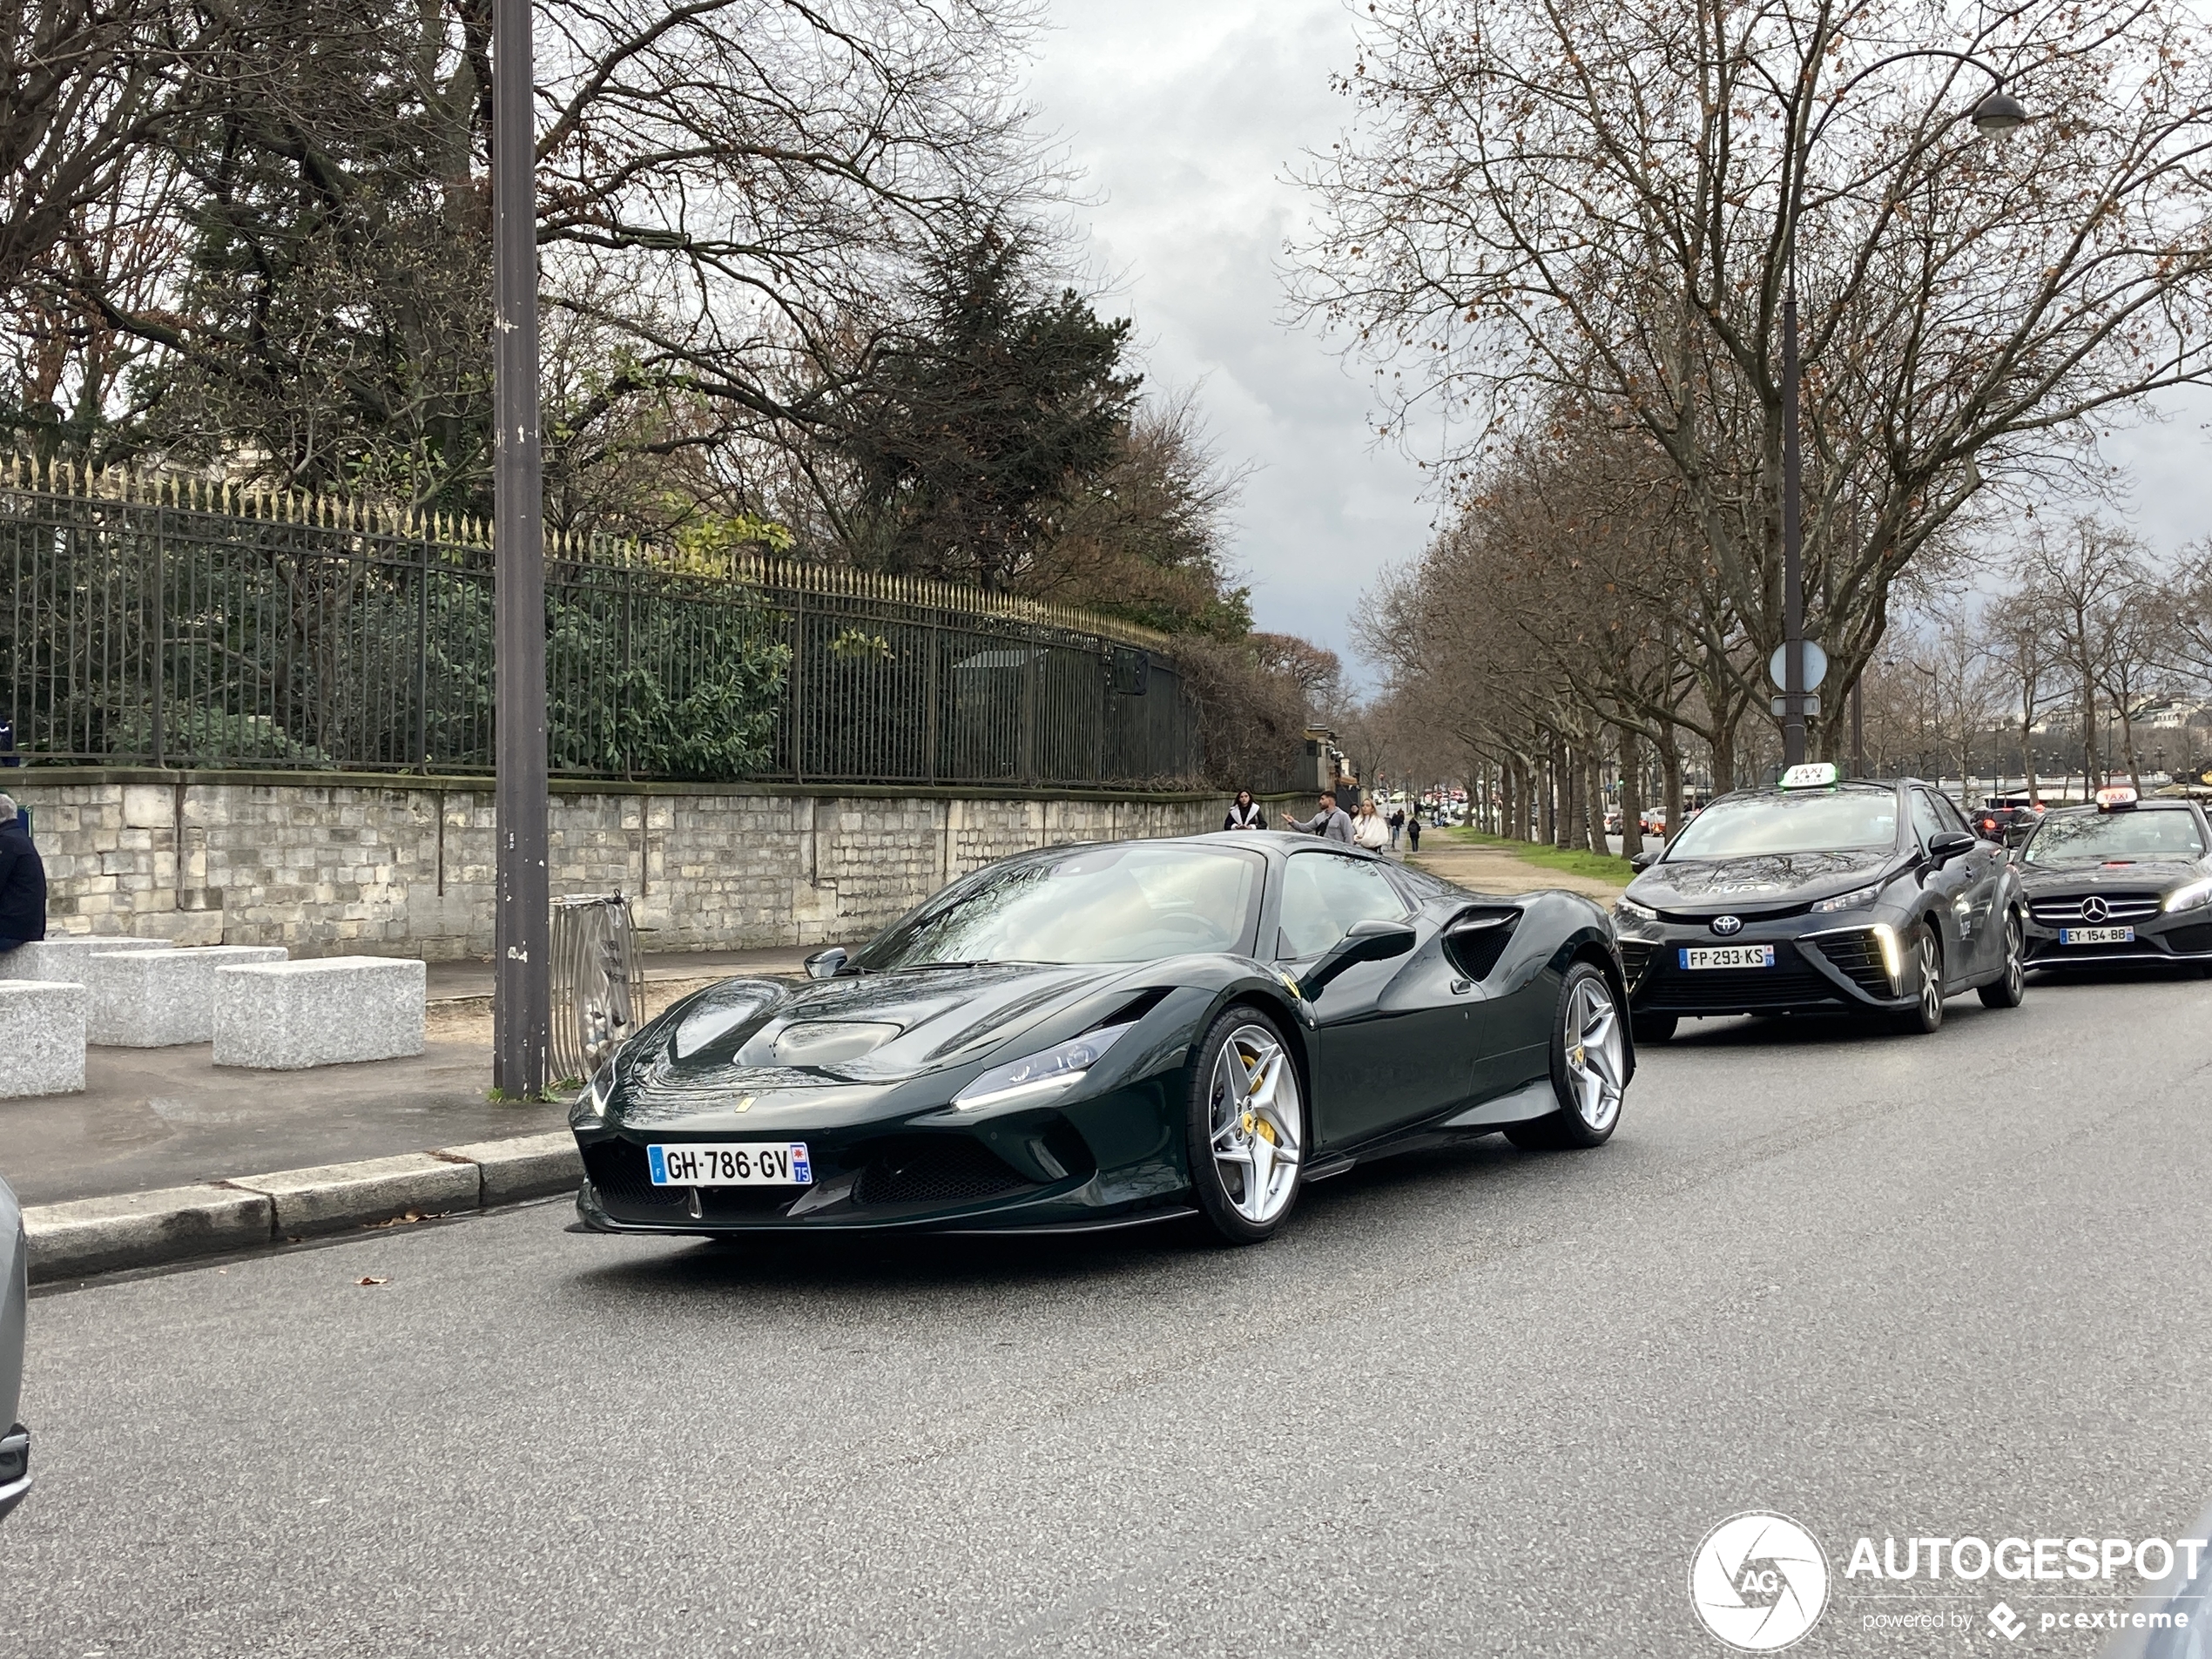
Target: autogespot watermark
{"x": 1760, "y": 1581}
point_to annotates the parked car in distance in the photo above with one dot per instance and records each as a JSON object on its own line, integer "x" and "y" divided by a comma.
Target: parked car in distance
{"x": 2009, "y": 825}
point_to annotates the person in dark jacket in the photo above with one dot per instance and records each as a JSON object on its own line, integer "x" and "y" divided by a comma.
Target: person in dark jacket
{"x": 1245, "y": 813}
{"x": 1413, "y": 826}
{"x": 23, "y": 883}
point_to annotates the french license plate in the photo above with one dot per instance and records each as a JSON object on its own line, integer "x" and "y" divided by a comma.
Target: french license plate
{"x": 731, "y": 1164}
{"x": 1727, "y": 956}
{"x": 2097, "y": 936}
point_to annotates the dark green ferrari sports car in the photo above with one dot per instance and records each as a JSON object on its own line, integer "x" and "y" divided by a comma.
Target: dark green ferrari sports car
{"x": 1103, "y": 1036}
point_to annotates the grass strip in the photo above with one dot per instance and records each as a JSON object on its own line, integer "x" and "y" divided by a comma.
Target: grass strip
{"x": 1568, "y": 860}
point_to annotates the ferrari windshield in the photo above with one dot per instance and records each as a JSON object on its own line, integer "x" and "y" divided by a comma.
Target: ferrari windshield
{"x": 1133, "y": 902}
{"x": 1837, "y": 820}
{"x": 2106, "y": 838}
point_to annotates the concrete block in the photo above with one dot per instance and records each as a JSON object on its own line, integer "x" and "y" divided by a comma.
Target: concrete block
{"x": 62, "y": 958}
{"x": 142, "y": 1230}
{"x": 337, "y": 1196}
{"x": 529, "y": 1166}
{"x": 151, "y": 999}
{"x": 45, "y": 1025}
{"x": 286, "y": 1016}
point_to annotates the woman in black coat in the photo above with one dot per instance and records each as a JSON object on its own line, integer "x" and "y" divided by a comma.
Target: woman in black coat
{"x": 1243, "y": 813}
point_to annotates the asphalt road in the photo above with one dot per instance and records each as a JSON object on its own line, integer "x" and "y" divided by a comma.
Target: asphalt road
{"x": 1475, "y": 1403}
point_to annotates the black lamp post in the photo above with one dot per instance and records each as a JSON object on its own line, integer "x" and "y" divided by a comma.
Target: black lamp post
{"x": 521, "y": 1001}
{"x": 1998, "y": 112}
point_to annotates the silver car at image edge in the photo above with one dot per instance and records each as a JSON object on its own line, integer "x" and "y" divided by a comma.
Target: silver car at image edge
{"x": 14, "y": 1295}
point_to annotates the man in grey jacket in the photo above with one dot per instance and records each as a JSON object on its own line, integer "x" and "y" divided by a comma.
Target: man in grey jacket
{"x": 1331, "y": 823}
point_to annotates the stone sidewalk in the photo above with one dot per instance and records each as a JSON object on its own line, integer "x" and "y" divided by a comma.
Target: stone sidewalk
{"x": 1493, "y": 869}
{"x": 166, "y": 1118}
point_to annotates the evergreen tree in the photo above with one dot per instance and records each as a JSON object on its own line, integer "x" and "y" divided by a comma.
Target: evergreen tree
{"x": 971, "y": 429}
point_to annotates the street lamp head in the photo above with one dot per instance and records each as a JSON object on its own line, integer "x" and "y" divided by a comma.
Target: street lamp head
{"x": 2000, "y": 113}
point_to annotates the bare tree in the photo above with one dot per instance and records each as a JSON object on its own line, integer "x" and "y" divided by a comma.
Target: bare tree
{"x": 2020, "y": 641}
{"x": 1594, "y": 202}
{"x": 2088, "y": 576}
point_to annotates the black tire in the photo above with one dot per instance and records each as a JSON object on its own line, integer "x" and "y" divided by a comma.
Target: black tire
{"x": 2009, "y": 989}
{"x": 1654, "y": 1028}
{"x": 1922, "y": 952}
{"x": 1588, "y": 1066}
{"x": 1226, "y": 1220}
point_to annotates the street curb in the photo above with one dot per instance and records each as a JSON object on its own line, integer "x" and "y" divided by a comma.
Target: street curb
{"x": 135, "y": 1229}
{"x": 91, "y": 1235}
{"x": 335, "y": 1197}
{"x": 533, "y": 1166}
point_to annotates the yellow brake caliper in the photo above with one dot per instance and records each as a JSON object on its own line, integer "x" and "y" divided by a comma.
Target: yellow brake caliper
{"x": 1253, "y": 1124}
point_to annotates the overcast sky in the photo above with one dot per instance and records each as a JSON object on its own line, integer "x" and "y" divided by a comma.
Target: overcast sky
{"x": 1185, "y": 116}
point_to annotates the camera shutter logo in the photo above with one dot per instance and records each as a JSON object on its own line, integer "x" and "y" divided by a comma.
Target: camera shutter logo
{"x": 1758, "y": 1581}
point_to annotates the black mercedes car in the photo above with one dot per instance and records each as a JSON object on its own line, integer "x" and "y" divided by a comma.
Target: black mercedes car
{"x": 1100, "y": 1036}
{"x": 2125, "y": 880}
{"x": 1821, "y": 895}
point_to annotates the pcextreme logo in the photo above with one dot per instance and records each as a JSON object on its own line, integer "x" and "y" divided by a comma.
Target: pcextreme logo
{"x": 1758, "y": 1581}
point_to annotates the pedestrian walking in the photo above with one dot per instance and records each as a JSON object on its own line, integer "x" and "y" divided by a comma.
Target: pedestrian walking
{"x": 1368, "y": 829}
{"x": 1413, "y": 827}
{"x": 1245, "y": 813}
{"x": 1397, "y": 826}
{"x": 1331, "y": 823}
{"x": 23, "y": 883}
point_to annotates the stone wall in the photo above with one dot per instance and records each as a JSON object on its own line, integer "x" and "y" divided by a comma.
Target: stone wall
{"x": 332, "y": 864}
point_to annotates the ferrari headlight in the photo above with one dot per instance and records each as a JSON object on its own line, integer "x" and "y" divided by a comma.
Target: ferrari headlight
{"x": 1629, "y": 910}
{"x": 1039, "y": 1076}
{"x": 2191, "y": 897}
{"x": 597, "y": 1092}
{"x": 1852, "y": 901}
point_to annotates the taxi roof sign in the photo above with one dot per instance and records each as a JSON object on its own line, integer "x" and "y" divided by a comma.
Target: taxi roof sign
{"x": 2118, "y": 795}
{"x": 1814, "y": 774}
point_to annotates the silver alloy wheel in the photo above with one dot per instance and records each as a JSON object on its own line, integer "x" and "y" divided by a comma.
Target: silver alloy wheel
{"x": 1931, "y": 979}
{"x": 1258, "y": 1123}
{"x": 1595, "y": 1058}
{"x": 2015, "y": 966}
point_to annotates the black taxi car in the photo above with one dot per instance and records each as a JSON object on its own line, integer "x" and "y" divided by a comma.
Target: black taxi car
{"x": 2125, "y": 880}
{"x": 1819, "y": 895}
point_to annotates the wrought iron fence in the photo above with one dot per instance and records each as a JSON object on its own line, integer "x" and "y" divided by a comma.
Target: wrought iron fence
{"x": 174, "y": 623}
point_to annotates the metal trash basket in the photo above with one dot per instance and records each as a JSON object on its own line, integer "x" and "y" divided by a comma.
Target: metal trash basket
{"x": 598, "y": 989}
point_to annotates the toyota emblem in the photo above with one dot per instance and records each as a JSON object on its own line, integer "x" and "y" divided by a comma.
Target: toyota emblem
{"x": 1726, "y": 925}
{"x": 2094, "y": 908}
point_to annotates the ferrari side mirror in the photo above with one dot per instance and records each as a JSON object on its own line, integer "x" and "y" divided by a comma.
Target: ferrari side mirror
{"x": 1372, "y": 941}
{"x": 825, "y": 964}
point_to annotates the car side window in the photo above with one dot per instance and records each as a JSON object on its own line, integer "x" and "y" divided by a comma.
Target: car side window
{"x": 1323, "y": 895}
{"x": 1925, "y": 818}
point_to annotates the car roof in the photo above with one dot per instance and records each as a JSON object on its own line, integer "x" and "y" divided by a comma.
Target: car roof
{"x": 1864, "y": 785}
{"x": 2136, "y": 806}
